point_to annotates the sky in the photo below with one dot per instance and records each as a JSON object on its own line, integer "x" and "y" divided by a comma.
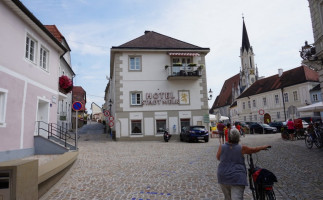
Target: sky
{"x": 277, "y": 30}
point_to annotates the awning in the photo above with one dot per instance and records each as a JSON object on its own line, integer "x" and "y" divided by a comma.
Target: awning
{"x": 315, "y": 107}
{"x": 183, "y": 54}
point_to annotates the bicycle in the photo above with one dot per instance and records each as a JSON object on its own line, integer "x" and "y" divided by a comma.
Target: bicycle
{"x": 313, "y": 137}
{"x": 261, "y": 181}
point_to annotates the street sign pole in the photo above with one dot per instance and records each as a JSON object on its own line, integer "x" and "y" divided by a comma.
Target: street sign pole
{"x": 76, "y": 134}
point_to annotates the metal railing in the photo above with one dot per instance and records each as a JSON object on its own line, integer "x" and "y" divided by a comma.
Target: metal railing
{"x": 52, "y": 130}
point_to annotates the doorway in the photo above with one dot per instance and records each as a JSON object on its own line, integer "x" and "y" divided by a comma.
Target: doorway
{"x": 185, "y": 123}
{"x": 43, "y": 117}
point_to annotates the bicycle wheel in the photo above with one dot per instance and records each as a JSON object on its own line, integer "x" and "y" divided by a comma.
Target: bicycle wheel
{"x": 308, "y": 141}
{"x": 270, "y": 195}
{"x": 318, "y": 141}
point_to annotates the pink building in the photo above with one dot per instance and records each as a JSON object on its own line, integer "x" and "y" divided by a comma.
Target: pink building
{"x": 29, "y": 72}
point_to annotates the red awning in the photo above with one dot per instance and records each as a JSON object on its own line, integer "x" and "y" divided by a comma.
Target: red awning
{"x": 183, "y": 54}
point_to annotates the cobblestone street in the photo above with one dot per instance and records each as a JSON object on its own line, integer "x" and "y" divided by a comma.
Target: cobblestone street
{"x": 150, "y": 170}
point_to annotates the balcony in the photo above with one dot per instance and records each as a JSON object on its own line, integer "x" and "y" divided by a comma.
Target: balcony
{"x": 183, "y": 72}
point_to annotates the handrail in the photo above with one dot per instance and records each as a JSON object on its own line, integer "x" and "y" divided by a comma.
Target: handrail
{"x": 57, "y": 131}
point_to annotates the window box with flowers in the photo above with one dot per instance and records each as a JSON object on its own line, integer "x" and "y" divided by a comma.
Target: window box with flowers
{"x": 65, "y": 84}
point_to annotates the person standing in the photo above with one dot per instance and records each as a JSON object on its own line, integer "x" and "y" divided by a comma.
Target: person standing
{"x": 220, "y": 126}
{"x": 232, "y": 172}
{"x": 291, "y": 129}
{"x": 227, "y": 131}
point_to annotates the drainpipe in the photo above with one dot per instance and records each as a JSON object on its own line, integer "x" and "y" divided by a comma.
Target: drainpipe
{"x": 282, "y": 89}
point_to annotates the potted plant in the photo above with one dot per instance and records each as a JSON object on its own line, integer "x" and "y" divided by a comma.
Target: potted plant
{"x": 65, "y": 84}
{"x": 201, "y": 67}
{"x": 192, "y": 65}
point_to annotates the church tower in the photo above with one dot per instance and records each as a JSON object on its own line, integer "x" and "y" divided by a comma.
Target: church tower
{"x": 248, "y": 71}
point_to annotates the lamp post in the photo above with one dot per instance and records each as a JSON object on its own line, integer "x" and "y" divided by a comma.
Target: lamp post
{"x": 110, "y": 105}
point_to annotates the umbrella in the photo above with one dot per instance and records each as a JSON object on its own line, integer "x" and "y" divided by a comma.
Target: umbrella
{"x": 315, "y": 107}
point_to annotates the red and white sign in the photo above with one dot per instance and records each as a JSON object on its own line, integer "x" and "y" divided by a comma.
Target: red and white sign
{"x": 107, "y": 113}
{"x": 111, "y": 124}
{"x": 261, "y": 112}
{"x": 111, "y": 118}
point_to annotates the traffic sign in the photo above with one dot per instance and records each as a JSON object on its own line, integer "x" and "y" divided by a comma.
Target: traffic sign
{"x": 111, "y": 118}
{"x": 111, "y": 124}
{"x": 77, "y": 106}
{"x": 107, "y": 113}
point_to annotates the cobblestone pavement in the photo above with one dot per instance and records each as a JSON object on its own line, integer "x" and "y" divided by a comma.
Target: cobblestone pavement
{"x": 150, "y": 170}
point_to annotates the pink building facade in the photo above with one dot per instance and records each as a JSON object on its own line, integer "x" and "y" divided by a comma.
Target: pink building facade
{"x": 29, "y": 71}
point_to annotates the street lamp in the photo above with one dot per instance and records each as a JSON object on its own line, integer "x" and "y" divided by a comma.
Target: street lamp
{"x": 308, "y": 52}
{"x": 210, "y": 94}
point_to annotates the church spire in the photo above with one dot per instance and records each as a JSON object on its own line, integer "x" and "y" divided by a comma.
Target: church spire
{"x": 245, "y": 38}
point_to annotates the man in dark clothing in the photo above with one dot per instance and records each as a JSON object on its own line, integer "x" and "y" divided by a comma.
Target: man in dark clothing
{"x": 220, "y": 128}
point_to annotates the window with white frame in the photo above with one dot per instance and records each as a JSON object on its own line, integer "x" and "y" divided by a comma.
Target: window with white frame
{"x": 3, "y": 105}
{"x": 250, "y": 118}
{"x": 244, "y": 118}
{"x": 243, "y": 105}
{"x": 295, "y": 95}
{"x": 278, "y": 115}
{"x": 249, "y": 105}
{"x": 285, "y": 97}
{"x": 276, "y": 99}
{"x": 136, "y": 98}
{"x": 31, "y": 48}
{"x": 254, "y": 103}
{"x": 43, "y": 60}
{"x": 264, "y": 101}
{"x": 136, "y": 127}
{"x": 135, "y": 63}
{"x": 255, "y": 117}
{"x": 315, "y": 97}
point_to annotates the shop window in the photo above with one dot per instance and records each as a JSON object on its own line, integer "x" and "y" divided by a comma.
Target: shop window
{"x": 136, "y": 127}
{"x": 161, "y": 126}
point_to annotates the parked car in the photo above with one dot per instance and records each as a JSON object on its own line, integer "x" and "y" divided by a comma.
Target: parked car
{"x": 194, "y": 133}
{"x": 312, "y": 119}
{"x": 262, "y": 128}
{"x": 278, "y": 125}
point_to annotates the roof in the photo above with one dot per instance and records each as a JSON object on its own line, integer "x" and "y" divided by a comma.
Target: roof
{"x": 153, "y": 40}
{"x": 291, "y": 77}
{"x": 53, "y": 29}
{"x": 245, "y": 39}
{"x": 225, "y": 96}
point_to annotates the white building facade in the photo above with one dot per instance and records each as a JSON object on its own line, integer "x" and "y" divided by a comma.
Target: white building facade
{"x": 156, "y": 83}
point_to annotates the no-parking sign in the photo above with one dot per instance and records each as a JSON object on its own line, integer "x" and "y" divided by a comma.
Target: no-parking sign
{"x": 77, "y": 106}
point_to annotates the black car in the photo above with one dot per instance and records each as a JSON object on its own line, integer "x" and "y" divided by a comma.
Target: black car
{"x": 262, "y": 128}
{"x": 194, "y": 133}
{"x": 278, "y": 125}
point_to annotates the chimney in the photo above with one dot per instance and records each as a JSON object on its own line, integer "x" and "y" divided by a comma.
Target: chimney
{"x": 147, "y": 32}
{"x": 280, "y": 72}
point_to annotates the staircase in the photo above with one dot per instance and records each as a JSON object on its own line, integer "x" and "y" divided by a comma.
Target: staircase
{"x": 57, "y": 134}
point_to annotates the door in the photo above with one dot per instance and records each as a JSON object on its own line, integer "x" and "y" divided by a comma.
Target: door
{"x": 43, "y": 117}
{"x": 185, "y": 123}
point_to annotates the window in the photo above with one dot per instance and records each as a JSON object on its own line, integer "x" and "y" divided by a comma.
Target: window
{"x": 3, "y": 104}
{"x": 43, "y": 60}
{"x": 31, "y": 47}
{"x": 244, "y": 105}
{"x": 136, "y": 98}
{"x": 315, "y": 98}
{"x": 250, "y": 118}
{"x": 278, "y": 115}
{"x": 136, "y": 127}
{"x": 285, "y": 97}
{"x": 254, "y": 103}
{"x": 161, "y": 126}
{"x": 244, "y": 118}
{"x": 135, "y": 63}
{"x": 249, "y": 105}
{"x": 276, "y": 99}
{"x": 255, "y": 117}
{"x": 264, "y": 101}
{"x": 295, "y": 96}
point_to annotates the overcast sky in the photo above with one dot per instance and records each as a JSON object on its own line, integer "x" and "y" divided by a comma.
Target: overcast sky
{"x": 277, "y": 29}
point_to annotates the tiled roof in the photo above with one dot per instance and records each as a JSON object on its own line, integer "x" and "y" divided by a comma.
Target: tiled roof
{"x": 291, "y": 77}
{"x": 55, "y": 32}
{"x": 153, "y": 40}
{"x": 225, "y": 96}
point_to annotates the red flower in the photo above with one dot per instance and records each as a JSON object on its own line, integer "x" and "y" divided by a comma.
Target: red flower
{"x": 65, "y": 84}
